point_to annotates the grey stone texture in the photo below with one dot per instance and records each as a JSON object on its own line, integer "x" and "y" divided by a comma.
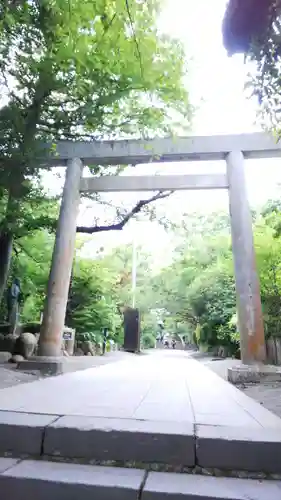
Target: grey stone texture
{"x": 28, "y": 479}
{"x": 26, "y": 344}
{"x": 44, "y": 364}
{"x": 50, "y": 340}
{"x": 249, "y": 309}
{"x": 46, "y": 480}
{"x": 40, "y": 480}
{"x": 153, "y": 183}
{"x": 5, "y": 356}
{"x": 121, "y": 439}
{"x": 7, "y": 463}
{"x": 268, "y": 394}
{"x": 10, "y": 376}
{"x": 257, "y": 145}
{"x": 160, "y": 486}
{"x": 22, "y": 433}
{"x": 245, "y": 374}
{"x": 17, "y": 358}
{"x": 142, "y": 409}
{"x": 238, "y": 448}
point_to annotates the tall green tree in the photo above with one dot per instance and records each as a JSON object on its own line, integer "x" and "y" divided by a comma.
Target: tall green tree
{"x": 198, "y": 290}
{"x": 92, "y": 303}
{"x": 72, "y": 70}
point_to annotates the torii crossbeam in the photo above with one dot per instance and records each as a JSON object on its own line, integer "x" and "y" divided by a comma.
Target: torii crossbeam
{"x": 198, "y": 148}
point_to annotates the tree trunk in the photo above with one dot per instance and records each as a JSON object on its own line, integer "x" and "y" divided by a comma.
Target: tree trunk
{"x": 6, "y": 247}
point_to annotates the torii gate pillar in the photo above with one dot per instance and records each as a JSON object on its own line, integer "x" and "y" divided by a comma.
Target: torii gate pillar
{"x": 58, "y": 285}
{"x": 250, "y": 320}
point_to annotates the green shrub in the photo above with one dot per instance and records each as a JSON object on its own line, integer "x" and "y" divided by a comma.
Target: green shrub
{"x": 148, "y": 341}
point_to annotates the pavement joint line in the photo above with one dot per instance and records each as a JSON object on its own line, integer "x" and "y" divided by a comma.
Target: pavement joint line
{"x": 18, "y": 460}
{"x": 58, "y": 415}
{"x": 247, "y": 411}
{"x": 142, "y": 485}
{"x": 32, "y": 413}
{"x": 142, "y": 399}
{"x": 190, "y": 399}
{"x": 44, "y": 434}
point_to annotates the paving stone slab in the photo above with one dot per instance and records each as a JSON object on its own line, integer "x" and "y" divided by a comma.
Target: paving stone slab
{"x": 46, "y": 480}
{"x": 215, "y": 398}
{"x": 7, "y": 463}
{"x": 160, "y": 486}
{"x": 218, "y": 419}
{"x": 238, "y": 448}
{"x": 258, "y": 413}
{"x": 22, "y": 433}
{"x": 121, "y": 439}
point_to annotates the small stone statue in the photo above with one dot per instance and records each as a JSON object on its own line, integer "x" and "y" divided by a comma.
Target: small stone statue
{"x": 13, "y": 300}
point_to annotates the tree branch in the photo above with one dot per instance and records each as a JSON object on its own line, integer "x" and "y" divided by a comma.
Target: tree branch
{"x": 119, "y": 225}
{"x": 135, "y": 37}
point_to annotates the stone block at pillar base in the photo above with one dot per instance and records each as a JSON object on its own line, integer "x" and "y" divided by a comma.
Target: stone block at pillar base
{"x": 255, "y": 373}
{"x": 5, "y": 356}
{"x": 47, "y": 365}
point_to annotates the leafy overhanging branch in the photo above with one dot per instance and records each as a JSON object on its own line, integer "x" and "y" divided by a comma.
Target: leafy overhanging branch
{"x": 120, "y": 225}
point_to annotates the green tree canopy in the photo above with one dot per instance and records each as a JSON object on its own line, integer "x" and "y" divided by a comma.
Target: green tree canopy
{"x": 72, "y": 70}
{"x": 197, "y": 290}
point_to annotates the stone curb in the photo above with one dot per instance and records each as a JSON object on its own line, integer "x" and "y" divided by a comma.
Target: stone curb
{"x": 237, "y": 448}
{"x": 121, "y": 440}
{"x": 45, "y": 480}
{"x": 48, "y": 480}
{"x": 138, "y": 441}
{"x": 23, "y": 433}
{"x": 225, "y": 448}
{"x": 172, "y": 486}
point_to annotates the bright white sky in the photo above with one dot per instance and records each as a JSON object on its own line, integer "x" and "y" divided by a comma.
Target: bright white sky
{"x": 216, "y": 84}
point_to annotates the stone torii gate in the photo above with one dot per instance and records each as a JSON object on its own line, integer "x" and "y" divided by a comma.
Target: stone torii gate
{"x": 231, "y": 148}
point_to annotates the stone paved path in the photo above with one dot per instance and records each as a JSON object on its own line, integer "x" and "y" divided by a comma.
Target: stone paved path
{"x": 267, "y": 394}
{"x": 10, "y": 376}
{"x": 166, "y": 386}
